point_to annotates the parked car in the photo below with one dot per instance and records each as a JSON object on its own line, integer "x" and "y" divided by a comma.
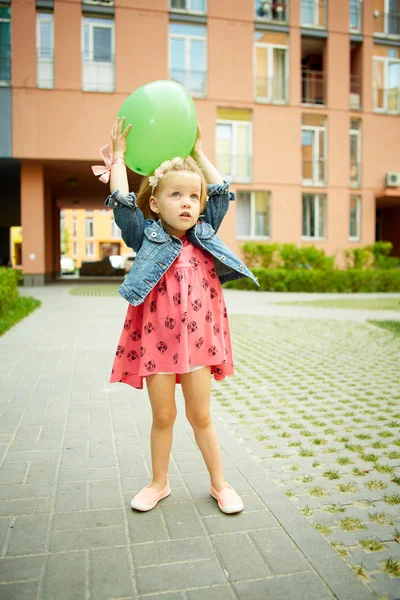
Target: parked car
{"x": 67, "y": 266}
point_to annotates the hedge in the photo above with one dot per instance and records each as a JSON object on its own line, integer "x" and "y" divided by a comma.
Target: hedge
{"x": 8, "y": 288}
{"x": 313, "y": 280}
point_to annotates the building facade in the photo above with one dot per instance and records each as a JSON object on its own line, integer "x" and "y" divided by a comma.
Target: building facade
{"x": 299, "y": 103}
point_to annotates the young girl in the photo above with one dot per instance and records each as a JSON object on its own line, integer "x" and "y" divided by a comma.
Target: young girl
{"x": 176, "y": 328}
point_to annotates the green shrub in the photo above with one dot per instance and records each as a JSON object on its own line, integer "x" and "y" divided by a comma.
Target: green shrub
{"x": 285, "y": 256}
{"x": 8, "y": 288}
{"x": 313, "y": 280}
{"x": 260, "y": 255}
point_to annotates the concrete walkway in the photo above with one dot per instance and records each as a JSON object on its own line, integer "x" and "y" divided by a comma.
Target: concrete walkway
{"x": 75, "y": 449}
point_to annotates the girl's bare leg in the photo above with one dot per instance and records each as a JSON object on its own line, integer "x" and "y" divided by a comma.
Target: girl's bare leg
{"x": 196, "y": 387}
{"x": 161, "y": 389}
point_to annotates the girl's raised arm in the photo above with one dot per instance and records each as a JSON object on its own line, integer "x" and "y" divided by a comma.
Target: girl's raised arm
{"x": 119, "y": 177}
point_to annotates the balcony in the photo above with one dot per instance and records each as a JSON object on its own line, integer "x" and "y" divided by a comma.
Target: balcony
{"x": 355, "y": 16}
{"x": 194, "y": 81}
{"x": 313, "y": 13}
{"x": 272, "y": 90}
{"x": 355, "y": 92}
{"x": 386, "y": 24}
{"x": 313, "y": 88}
{"x": 271, "y": 11}
{"x": 45, "y": 68}
{"x": 235, "y": 167}
{"x": 98, "y": 71}
{"x": 386, "y": 100}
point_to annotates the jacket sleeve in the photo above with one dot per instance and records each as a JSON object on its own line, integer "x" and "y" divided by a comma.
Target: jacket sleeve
{"x": 128, "y": 217}
{"x": 217, "y": 206}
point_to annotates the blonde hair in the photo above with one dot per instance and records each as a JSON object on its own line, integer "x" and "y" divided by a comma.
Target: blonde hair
{"x": 146, "y": 190}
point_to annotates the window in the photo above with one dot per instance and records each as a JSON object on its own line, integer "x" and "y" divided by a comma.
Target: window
{"x": 313, "y": 13}
{"x": 271, "y": 63}
{"x": 387, "y": 18}
{"x": 187, "y": 56}
{"x": 5, "y": 46}
{"x": 89, "y": 227}
{"x": 234, "y": 144}
{"x": 355, "y": 218}
{"x": 192, "y": 6}
{"x": 355, "y": 153}
{"x": 386, "y": 82}
{"x": 75, "y": 249}
{"x": 274, "y": 11}
{"x": 355, "y": 15}
{"x": 74, "y": 227}
{"x": 314, "y": 216}
{"x": 45, "y": 50}
{"x": 98, "y": 55}
{"x": 253, "y": 214}
{"x": 90, "y": 249}
{"x": 313, "y": 146}
{"x": 115, "y": 230}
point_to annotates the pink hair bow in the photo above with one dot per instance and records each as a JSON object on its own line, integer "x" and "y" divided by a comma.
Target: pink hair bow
{"x": 104, "y": 170}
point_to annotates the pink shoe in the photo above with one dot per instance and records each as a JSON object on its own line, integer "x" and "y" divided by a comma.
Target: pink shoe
{"x": 228, "y": 500}
{"x": 147, "y": 498}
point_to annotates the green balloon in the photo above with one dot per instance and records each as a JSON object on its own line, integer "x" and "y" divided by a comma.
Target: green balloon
{"x": 164, "y": 125}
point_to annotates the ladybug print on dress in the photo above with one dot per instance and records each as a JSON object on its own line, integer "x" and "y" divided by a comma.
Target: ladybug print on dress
{"x": 192, "y": 326}
{"x": 204, "y": 283}
{"x": 162, "y": 288}
{"x": 136, "y": 335}
{"x": 216, "y": 370}
{"x": 184, "y": 318}
{"x": 178, "y": 275}
{"x": 178, "y": 337}
{"x": 170, "y": 322}
{"x": 196, "y": 304}
{"x": 190, "y": 289}
{"x": 149, "y": 328}
{"x": 132, "y": 355}
{"x": 177, "y": 298}
{"x": 213, "y": 273}
{"x": 153, "y": 306}
{"x": 175, "y": 359}
{"x": 225, "y": 313}
{"x": 193, "y": 261}
{"x": 142, "y": 351}
{"x": 161, "y": 347}
{"x": 127, "y": 324}
{"x": 120, "y": 351}
{"x": 209, "y": 316}
{"x": 150, "y": 366}
{"x": 199, "y": 343}
{"x": 216, "y": 329}
{"x": 212, "y": 351}
{"x": 213, "y": 293}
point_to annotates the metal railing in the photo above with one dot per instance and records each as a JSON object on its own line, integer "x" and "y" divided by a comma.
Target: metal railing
{"x": 355, "y": 15}
{"x": 355, "y": 92}
{"x": 235, "y": 167}
{"x": 313, "y": 89}
{"x": 98, "y": 72}
{"x": 45, "y": 68}
{"x": 313, "y": 13}
{"x": 272, "y": 11}
{"x": 193, "y": 80}
{"x": 272, "y": 89}
{"x": 314, "y": 171}
{"x": 386, "y": 100}
{"x": 355, "y": 173}
{"x": 5, "y": 69}
{"x": 387, "y": 24}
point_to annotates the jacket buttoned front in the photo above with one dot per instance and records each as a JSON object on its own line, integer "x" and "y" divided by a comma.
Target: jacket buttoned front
{"x": 156, "y": 249}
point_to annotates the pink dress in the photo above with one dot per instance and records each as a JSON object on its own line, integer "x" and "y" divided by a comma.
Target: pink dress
{"x": 182, "y": 323}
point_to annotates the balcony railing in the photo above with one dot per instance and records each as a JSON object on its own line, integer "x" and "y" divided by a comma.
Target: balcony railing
{"x": 272, "y": 89}
{"x": 45, "y": 68}
{"x": 386, "y": 100}
{"x": 313, "y": 171}
{"x": 387, "y": 24}
{"x": 355, "y": 15}
{"x": 355, "y": 92}
{"x": 235, "y": 167}
{"x": 194, "y": 81}
{"x": 313, "y": 13}
{"x": 272, "y": 11}
{"x": 5, "y": 70}
{"x": 313, "y": 88}
{"x": 355, "y": 173}
{"x": 98, "y": 72}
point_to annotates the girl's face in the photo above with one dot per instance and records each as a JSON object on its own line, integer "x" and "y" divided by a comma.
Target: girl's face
{"x": 178, "y": 201}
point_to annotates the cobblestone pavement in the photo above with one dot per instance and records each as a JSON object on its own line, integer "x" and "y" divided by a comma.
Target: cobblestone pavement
{"x": 317, "y": 404}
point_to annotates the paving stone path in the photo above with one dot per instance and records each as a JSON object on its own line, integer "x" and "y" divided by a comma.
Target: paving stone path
{"x": 317, "y": 404}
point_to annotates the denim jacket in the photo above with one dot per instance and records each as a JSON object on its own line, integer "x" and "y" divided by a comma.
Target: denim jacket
{"x": 156, "y": 249}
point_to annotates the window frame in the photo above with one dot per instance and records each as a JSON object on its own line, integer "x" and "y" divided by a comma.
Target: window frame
{"x": 356, "y": 238}
{"x": 316, "y": 197}
{"x": 7, "y": 82}
{"x": 356, "y": 133}
{"x": 187, "y": 55}
{"x": 90, "y": 243}
{"x": 386, "y": 60}
{"x": 270, "y": 60}
{"x": 188, "y": 10}
{"x": 272, "y": 20}
{"x": 316, "y": 9}
{"x": 106, "y": 23}
{"x": 358, "y": 13}
{"x": 252, "y": 235}
{"x": 74, "y": 227}
{"x": 88, "y": 221}
{"x": 40, "y": 17}
{"x": 233, "y": 177}
{"x": 115, "y": 230}
{"x": 315, "y": 160}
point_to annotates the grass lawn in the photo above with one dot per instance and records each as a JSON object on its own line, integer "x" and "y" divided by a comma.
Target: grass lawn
{"x": 358, "y": 303}
{"x": 393, "y": 326}
{"x": 18, "y": 311}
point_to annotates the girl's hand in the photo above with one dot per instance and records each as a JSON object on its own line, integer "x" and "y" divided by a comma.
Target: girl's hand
{"x": 198, "y": 149}
{"x": 118, "y": 138}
